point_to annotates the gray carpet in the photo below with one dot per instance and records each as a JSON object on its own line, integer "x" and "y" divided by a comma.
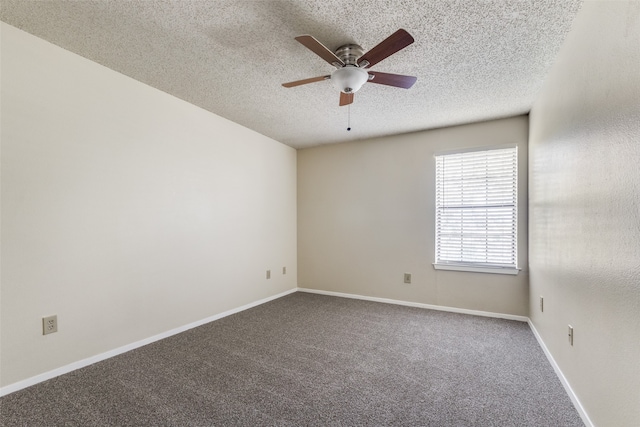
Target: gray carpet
{"x": 308, "y": 359}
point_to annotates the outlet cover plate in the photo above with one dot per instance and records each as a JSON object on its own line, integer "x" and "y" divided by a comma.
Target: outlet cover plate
{"x": 49, "y": 325}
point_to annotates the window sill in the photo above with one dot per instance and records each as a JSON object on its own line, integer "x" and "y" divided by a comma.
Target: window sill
{"x": 477, "y": 269}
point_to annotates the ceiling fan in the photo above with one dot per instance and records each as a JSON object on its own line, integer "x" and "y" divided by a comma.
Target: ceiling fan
{"x": 351, "y": 61}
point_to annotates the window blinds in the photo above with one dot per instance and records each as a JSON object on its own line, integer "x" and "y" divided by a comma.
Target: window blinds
{"x": 476, "y": 208}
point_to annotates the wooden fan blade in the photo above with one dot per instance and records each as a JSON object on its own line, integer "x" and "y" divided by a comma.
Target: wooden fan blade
{"x": 305, "y": 81}
{"x": 392, "y": 44}
{"x": 346, "y": 98}
{"x": 319, "y": 49}
{"x": 397, "y": 80}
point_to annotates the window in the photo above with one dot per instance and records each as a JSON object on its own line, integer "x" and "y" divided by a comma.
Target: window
{"x": 476, "y": 211}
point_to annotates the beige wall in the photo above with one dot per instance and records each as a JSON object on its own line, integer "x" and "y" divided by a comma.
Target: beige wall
{"x": 585, "y": 211}
{"x": 366, "y": 216}
{"x": 126, "y": 211}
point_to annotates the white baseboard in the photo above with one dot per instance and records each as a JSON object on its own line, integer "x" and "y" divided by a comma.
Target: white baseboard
{"x": 111, "y": 353}
{"x": 420, "y": 305}
{"x": 576, "y": 402}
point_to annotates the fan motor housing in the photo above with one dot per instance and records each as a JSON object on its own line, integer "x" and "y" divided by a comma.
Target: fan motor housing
{"x": 349, "y": 53}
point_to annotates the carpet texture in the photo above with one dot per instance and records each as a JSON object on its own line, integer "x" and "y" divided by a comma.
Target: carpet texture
{"x": 308, "y": 359}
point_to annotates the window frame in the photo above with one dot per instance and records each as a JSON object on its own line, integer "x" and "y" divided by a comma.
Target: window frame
{"x": 478, "y": 267}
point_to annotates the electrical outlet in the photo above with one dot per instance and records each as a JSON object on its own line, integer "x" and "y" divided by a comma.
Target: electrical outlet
{"x": 570, "y": 335}
{"x": 49, "y": 325}
{"x": 268, "y": 274}
{"x": 284, "y": 270}
{"x": 541, "y": 303}
{"x": 407, "y": 277}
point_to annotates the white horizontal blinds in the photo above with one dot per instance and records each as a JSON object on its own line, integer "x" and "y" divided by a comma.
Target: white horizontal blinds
{"x": 476, "y": 212}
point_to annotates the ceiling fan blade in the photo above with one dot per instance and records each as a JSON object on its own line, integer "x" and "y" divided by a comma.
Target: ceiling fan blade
{"x": 392, "y": 44}
{"x": 397, "y": 80}
{"x": 346, "y": 98}
{"x": 305, "y": 81}
{"x": 319, "y": 49}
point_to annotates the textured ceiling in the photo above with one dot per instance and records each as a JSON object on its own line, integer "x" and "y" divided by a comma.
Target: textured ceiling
{"x": 475, "y": 60}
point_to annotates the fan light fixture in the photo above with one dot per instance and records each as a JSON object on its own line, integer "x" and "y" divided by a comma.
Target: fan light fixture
{"x": 349, "y": 78}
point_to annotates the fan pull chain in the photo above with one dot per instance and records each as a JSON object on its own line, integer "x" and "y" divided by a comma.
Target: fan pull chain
{"x": 349, "y": 117}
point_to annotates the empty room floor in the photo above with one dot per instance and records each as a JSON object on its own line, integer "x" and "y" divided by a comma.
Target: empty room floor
{"x": 308, "y": 359}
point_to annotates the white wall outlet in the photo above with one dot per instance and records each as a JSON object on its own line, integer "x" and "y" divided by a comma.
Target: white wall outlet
{"x": 49, "y": 325}
{"x": 570, "y": 335}
{"x": 407, "y": 277}
{"x": 268, "y": 274}
{"x": 541, "y": 303}
{"x": 284, "y": 270}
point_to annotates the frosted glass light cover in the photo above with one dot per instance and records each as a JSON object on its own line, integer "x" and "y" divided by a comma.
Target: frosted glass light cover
{"x": 349, "y": 79}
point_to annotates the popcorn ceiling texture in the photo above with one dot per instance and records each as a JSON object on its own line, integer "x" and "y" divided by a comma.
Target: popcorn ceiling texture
{"x": 474, "y": 60}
